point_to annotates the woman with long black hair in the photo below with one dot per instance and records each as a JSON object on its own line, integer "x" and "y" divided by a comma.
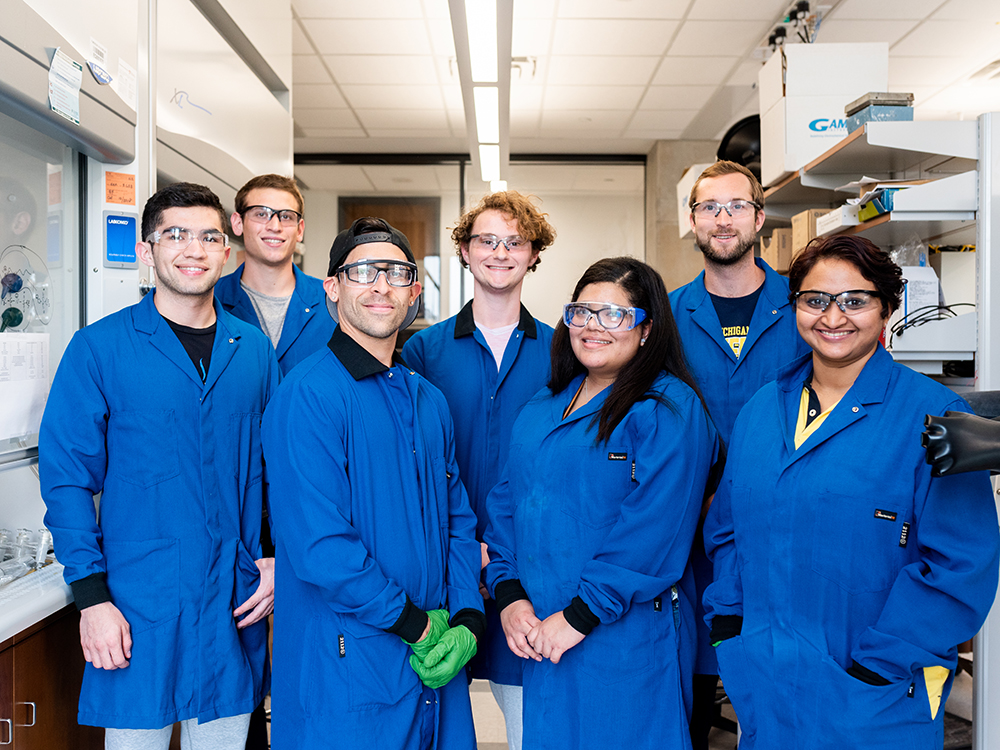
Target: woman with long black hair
{"x": 592, "y": 525}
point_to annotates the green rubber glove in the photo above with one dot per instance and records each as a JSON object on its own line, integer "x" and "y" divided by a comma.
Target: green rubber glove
{"x": 447, "y": 658}
{"x": 438, "y": 619}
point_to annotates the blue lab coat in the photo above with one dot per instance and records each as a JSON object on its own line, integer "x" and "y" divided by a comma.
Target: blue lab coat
{"x": 179, "y": 464}
{"x": 846, "y": 550}
{"x": 484, "y": 402}
{"x": 369, "y": 514}
{"x": 307, "y": 326}
{"x": 727, "y": 383}
{"x": 613, "y": 524}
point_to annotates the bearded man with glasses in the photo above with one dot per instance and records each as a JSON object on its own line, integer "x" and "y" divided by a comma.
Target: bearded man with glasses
{"x": 377, "y": 559}
{"x": 737, "y": 328}
{"x": 157, "y": 408}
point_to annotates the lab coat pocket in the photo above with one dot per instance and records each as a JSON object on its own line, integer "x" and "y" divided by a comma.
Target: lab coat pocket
{"x": 143, "y": 580}
{"x": 137, "y": 458}
{"x": 247, "y": 576}
{"x": 608, "y": 480}
{"x": 620, "y": 650}
{"x": 858, "y": 541}
{"x": 887, "y": 716}
{"x": 378, "y": 668}
{"x": 248, "y": 461}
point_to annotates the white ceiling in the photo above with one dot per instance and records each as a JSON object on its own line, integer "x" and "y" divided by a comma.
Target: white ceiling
{"x": 610, "y": 76}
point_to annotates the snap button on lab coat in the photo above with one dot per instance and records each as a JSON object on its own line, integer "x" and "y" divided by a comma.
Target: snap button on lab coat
{"x": 230, "y": 341}
{"x": 307, "y": 309}
{"x": 774, "y": 312}
{"x": 855, "y": 409}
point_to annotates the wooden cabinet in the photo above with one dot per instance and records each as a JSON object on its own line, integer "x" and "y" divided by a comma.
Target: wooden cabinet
{"x": 41, "y": 670}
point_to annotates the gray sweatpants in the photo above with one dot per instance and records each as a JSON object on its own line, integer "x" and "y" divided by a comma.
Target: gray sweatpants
{"x": 229, "y": 733}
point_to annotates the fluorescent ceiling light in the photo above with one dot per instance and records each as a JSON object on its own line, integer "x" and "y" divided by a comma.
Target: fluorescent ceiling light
{"x": 489, "y": 162}
{"x": 487, "y": 99}
{"x": 481, "y": 20}
{"x": 498, "y": 186}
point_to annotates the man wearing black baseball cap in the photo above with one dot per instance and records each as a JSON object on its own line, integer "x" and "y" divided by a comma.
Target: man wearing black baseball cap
{"x": 377, "y": 560}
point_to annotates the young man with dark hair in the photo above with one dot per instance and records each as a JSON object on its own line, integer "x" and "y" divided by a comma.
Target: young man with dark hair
{"x": 157, "y": 409}
{"x": 489, "y": 360}
{"x": 737, "y": 328}
{"x": 378, "y": 563}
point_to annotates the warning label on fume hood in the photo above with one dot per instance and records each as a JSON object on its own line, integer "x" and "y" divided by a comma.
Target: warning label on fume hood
{"x": 65, "y": 79}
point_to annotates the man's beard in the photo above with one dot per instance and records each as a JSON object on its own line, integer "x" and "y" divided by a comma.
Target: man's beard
{"x": 745, "y": 245}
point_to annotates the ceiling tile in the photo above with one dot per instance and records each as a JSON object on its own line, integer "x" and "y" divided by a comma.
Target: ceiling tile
{"x": 968, "y": 10}
{"x": 575, "y": 69}
{"x": 393, "y": 97}
{"x": 883, "y": 9}
{"x": 833, "y": 31}
{"x": 403, "y": 119}
{"x": 325, "y": 118}
{"x": 922, "y": 71}
{"x": 300, "y": 42}
{"x": 371, "y": 37}
{"x": 769, "y": 11}
{"x": 535, "y": 10}
{"x": 419, "y": 133}
{"x": 398, "y": 69}
{"x": 746, "y": 74}
{"x": 654, "y": 135}
{"x": 335, "y": 133}
{"x": 662, "y": 120}
{"x": 708, "y": 38}
{"x": 593, "y": 97}
{"x": 676, "y": 97}
{"x": 442, "y": 40}
{"x": 308, "y": 69}
{"x": 345, "y": 9}
{"x": 584, "y": 119}
{"x": 936, "y": 38}
{"x": 316, "y": 96}
{"x": 526, "y": 98}
{"x": 612, "y": 37}
{"x": 530, "y": 36}
{"x": 694, "y": 70}
{"x": 338, "y": 177}
{"x": 391, "y": 177}
{"x": 631, "y": 9}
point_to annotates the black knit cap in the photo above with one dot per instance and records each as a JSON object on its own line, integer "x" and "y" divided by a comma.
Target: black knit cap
{"x": 350, "y": 239}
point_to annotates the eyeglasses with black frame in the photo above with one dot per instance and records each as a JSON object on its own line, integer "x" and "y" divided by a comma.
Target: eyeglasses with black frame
{"x": 736, "y": 208}
{"x": 397, "y": 273}
{"x": 491, "y": 242}
{"x": 851, "y": 302}
{"x": 179, "y": 238}
{"x": 609, "y": 316}
{"x": 263, "y": 214}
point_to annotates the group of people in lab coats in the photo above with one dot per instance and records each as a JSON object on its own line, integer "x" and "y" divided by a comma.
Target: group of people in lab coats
{"x": 599, "y": 518}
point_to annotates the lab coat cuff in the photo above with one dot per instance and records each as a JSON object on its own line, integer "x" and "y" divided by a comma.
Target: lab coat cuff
{"x": 579, "y": 615}
{"x": 725, "y": 627}
{"x": 507, "y": 592}
{"x": 473, "y": 619}
{"x": 91, "y": 590}
{"x": 411, "y": 623}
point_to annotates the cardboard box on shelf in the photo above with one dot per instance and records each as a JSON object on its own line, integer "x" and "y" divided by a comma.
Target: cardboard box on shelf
{"x": 845, "y": 216}
{"x": 804, "y": 228}
{"x": 776, "y": 250}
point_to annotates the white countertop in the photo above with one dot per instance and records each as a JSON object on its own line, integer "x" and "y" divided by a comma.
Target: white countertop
{"x": 27, "y": 600}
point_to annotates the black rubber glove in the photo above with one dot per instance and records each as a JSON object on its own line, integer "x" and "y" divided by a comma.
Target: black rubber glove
{"x": 725, "y": 627}
{"x": 959, "y": 442}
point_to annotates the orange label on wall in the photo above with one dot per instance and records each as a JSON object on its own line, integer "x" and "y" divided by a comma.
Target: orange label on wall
{"x": 119, "y": 187}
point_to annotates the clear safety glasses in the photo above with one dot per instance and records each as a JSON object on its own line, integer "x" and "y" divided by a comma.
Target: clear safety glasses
{"x": 735, "y": 208}
{"x": 263, "y": 214}
{"x": 850, "y": 302}
{"x": 492, "y": 242}
{"x": 178, "y": 238}
{"x": 365, "y": 273}
{"x": 609, "y": 316}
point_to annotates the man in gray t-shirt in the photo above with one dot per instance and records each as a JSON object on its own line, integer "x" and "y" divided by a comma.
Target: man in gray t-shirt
{"x": 268, "y": 290}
